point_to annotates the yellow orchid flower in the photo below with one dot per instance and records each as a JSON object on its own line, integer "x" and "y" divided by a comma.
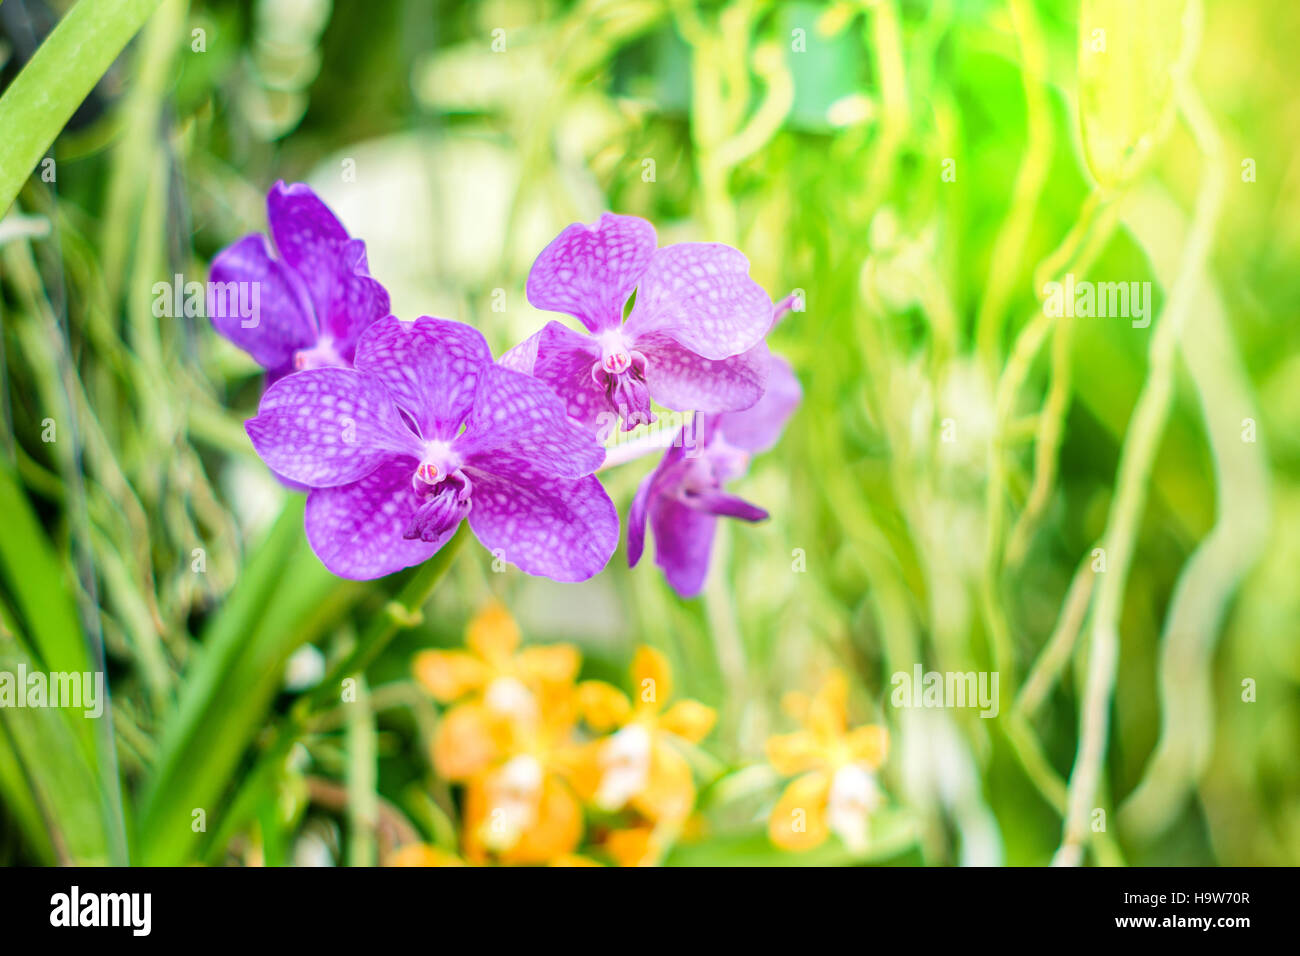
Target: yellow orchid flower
{"x": 522, "y": 809}
{"x": 498, "y": 685}
{"x": 635, "y": 846}
{"x": 835, "y": 790}
{"x": 422, "y": 854}
{"x": 494, "y": 668}
{"x": 638, "y": 765}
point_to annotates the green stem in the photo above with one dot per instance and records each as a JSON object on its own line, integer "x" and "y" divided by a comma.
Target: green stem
{"x": 1136, "y": 460}
{"x": 1014, "y": 233}
{"x": 400, "y": 614}
{"x": 362, "y": 772}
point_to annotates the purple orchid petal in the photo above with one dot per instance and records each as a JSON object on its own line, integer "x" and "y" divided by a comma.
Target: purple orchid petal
{"x": 683, "y": 496}
{"x": 757, "y": 428}
{"x": 329, "y": 426}
{"x": 651, "y": 486}
{"x": 563, "y": 361}
{"x": 726, "y": 506}
{"x": 589, "y": 273}
{"x": 683, "y": 543}
{"x": 636, "y": 519}
{"x": 355, "y": 301}
{"x": 431, "y": 368}
{"x": 700, "y": 294}
{"x": 523, "y": 357}
{"x": 358, "y": 530}
{"x": 683, "y": 380}
{"x": 314, "y": 300}
{"x": 521, "y": 417}
{"x": 561, "y": 528}
{"x": 283, "y": 323}
{"x": 308, "y": 236}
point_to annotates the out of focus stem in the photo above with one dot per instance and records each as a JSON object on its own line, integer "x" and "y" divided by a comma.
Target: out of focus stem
{"x": 1137, "y": 456}
{"x": 400, "y": 614}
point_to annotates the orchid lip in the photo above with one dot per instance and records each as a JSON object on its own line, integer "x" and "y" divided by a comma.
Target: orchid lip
{"x": 621, "y": 375}
{"x": 441, "y": 505}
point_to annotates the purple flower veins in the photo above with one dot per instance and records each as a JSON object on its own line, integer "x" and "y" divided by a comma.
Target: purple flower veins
{"x": 424, "y": 432}
{"x": 314, "y": 300}
{"x": 683, "y": 497}
{"x": 687, "y": 343}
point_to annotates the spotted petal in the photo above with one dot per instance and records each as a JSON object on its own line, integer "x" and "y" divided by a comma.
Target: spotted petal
{"x": 328, "y": 426}
{"x": 523, "y": 357}
{"x": 430, "y": 366}
{"x": 562, "y": 359}
{"x": 356, "y": 529}
{"x": 757, "y": 428}
{"x": 559, "y": 528}
{"x": 520, "y": 416}
{"x": 700, "y": 294}
{"x": 283, "y": 321}
{"x": 355, "y": 299}
{"x": 684, "y": 380}
{"x": 589, "y": 273}
{"x": 308, "y": 236}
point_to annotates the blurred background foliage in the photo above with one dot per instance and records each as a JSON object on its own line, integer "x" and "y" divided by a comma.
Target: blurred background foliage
{"x": 918, "y": 170}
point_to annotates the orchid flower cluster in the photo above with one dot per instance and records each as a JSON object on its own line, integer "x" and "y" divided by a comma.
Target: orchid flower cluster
{"x": 399, "y": 431}
{"x": 566, "y": 772}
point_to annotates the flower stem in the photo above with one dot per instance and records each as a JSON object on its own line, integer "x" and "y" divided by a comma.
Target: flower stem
{"x": 400, "y": 614}
{"x": 1136, "y": 458}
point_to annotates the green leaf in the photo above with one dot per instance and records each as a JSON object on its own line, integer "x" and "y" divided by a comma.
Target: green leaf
{"x": 43, "y": 97}
{"x": 32, "y": 575}
{"x": 284, "y": 598}
{"x": 43, "y": 770}
{"x": 49, "y": 762}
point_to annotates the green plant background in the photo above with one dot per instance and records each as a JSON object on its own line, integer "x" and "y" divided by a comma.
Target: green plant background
{"x": 918, "y": 170}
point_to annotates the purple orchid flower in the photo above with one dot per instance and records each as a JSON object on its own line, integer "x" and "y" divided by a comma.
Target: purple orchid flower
{"x": 684, "y": 497}
{"x": 313, "y": 302}
{"x": 423, "y": 432}
{"x": 687, "y": 343}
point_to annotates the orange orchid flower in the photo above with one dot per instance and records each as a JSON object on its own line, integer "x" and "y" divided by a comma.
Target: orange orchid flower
{"x": 521, "y": 808}
{"x": 639, "y": 765}
{"x": 497, "y": 684}
{"x": 422, "y": 854}
{"x": 494, "y": 668}
{"x": 835, "y": 790}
